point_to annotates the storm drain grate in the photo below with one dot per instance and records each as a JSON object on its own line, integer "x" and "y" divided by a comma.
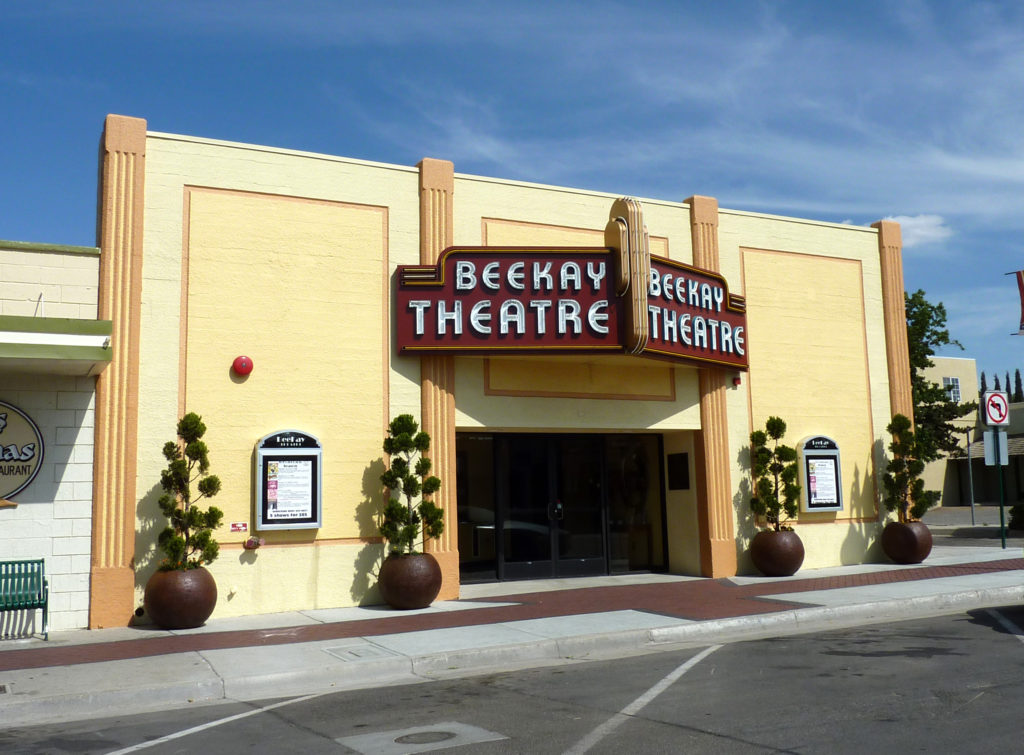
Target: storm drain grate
{"x": 415, "y": 739}
{"x": 360, "y": 652}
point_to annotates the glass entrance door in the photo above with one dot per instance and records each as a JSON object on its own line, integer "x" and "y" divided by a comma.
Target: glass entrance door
{"x": 581, "y": 505}
{"x": 551, "y": 506}
{"x": 539, "y": 506}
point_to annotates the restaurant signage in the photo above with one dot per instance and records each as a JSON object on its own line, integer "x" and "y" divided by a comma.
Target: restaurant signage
{"x": 21, "y": 450}
{"x": 563, "y": 299}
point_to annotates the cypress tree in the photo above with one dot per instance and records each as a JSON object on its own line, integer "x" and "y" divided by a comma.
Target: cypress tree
{"x": 1018, "y": 387}
{"x": 935, "y": 433}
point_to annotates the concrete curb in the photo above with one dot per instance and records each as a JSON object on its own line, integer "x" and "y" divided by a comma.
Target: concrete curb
{"x": 334, "y": 677}
{"x": 77, "y": 706}
{"x": 455, "y": 661}
{"x": 157, "y": 694}
{"x": 823, "y": 618}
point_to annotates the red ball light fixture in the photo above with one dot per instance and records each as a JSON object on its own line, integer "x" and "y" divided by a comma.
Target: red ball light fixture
{"x": 242, "y": 366}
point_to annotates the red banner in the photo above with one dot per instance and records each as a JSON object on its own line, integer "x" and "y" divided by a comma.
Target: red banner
{"x": 1020, "y": 290}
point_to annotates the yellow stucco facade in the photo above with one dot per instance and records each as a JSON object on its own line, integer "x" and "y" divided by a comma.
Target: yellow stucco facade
{"x": 290, "y": 258}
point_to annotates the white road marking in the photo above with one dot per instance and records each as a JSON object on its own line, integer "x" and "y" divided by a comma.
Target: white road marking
{"x": 634, "y": 707}
{"x": 1006, "y": 624}
{"x": 212, "y": 724}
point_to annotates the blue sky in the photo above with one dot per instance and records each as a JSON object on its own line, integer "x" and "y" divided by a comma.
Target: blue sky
{"x": 840, "y": 111}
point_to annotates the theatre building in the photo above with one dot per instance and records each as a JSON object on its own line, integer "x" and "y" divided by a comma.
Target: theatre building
{"x": 589, "y": 368}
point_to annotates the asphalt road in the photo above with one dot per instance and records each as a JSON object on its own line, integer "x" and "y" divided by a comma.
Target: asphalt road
{"x": 948, "y": 684}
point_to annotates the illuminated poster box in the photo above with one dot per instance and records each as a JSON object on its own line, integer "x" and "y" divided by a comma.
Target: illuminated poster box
{"x": 288, "y": 481}
{"x": 822, "y": 481}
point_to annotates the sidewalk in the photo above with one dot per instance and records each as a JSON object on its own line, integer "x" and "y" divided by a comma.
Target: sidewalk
{"x": 89, "y": 674}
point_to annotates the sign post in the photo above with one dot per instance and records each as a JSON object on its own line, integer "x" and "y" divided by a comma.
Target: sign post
{"x": 995, "y": 411}
{"x": 970, "y": 472}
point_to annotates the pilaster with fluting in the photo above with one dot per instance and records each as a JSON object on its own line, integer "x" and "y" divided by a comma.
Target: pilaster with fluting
{"x": 890, "y": 255}
{"x": 112, "y": 574}
{"x": 437, "y": 373}
{"x": 715, "y": 508}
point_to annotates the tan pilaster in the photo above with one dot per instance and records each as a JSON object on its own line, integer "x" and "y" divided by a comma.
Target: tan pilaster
{"x": 437, "y": 373}
{"x": 714, "y": 487}
{"x": 112, "y": 574}
{"x": 890, "y": 254}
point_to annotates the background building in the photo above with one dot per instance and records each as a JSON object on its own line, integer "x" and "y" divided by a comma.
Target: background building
{"x": 52, "y": 346}
{"x": 959, "y": 376}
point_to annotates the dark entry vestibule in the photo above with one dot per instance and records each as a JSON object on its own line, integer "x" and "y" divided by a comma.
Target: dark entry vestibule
{"x": 534, "y": 506}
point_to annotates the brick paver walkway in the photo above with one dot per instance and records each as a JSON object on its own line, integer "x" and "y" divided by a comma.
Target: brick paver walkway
{"x": 694, "y": 600}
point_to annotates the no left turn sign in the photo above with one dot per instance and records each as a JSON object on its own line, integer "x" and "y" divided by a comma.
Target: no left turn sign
{"x": 996, "y": 407}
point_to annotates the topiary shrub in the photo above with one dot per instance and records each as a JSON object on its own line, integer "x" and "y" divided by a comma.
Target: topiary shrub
{"x": 409, "y": 476}
{"x": 904, "y": 488}
{"x": 188, "y": 540}
{"x": 776, "y": 495}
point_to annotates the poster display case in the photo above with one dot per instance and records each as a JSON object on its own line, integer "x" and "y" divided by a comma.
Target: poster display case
{"x": 822, "y": 484}
{"x": 288, "y": 481}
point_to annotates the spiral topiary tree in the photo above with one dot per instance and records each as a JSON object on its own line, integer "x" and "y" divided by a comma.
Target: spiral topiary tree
{"x": 776, "y": 494}
{"x": 403, "y": 522}
{"x": 188, "y": 540}
{"x": 904, "y": 488}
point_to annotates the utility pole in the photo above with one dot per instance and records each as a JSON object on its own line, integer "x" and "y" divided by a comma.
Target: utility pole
{"x": 968, "y": 431}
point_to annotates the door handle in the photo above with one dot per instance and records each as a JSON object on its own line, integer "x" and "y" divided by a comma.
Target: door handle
{"x": 555, "y": 511}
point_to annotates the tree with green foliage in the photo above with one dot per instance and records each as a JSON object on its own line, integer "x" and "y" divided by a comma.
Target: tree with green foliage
{"x": 934, "y": 412}
{"x": 1007, "y": 384}
{"x": 774, "y": 466}
{"x": 188, "y": 539}
{"x": 904, "y": 488}
{"x": 984, "y": 384}
{"x": 1016, "y": 517}
{"x": 409, "y": 476}
{"x": 1018, "y": 387}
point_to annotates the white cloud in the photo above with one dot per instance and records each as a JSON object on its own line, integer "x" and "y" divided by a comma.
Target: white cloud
{"x": 922, "y": 229}
{"x": 983, "y": 319}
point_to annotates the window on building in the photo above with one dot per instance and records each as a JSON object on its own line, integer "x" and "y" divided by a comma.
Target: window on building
{"x": 952, "y": 386}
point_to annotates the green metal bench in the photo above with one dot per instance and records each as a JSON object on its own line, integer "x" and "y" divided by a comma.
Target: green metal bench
{"x": 23, "y": 587}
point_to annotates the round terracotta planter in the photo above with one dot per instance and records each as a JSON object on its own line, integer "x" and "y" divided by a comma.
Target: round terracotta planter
{"x": 409, "y": 581}
{"x": 180, "y": 599}
{"x": 907, "y": 542}
{"x": 777, "y": 554}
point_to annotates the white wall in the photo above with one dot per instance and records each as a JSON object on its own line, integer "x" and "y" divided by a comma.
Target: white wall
{"x": 41, "y": 281}
{"x": 53, "y": 519}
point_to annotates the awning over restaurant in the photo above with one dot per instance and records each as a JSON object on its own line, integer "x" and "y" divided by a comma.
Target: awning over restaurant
{"x": 54, "y": 346}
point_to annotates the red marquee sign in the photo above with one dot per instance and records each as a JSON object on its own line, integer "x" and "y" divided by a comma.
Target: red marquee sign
{"x": 553, "y": 299}
{"x": 692, "y": 316}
